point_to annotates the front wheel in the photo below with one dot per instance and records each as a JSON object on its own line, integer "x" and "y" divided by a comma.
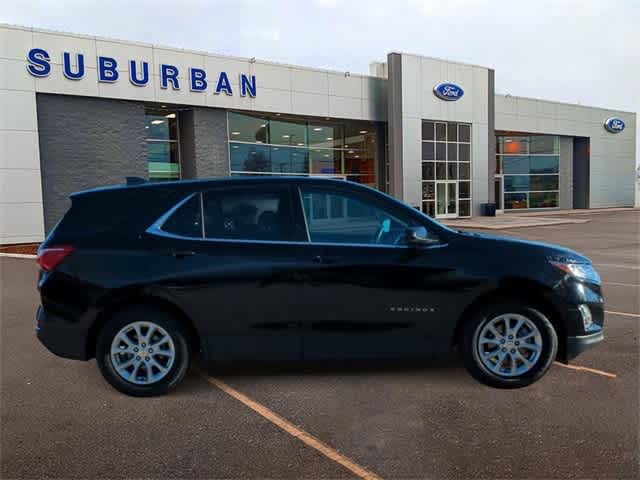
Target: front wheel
{"x": 143, "y": 351}
{"x": 509, "y": 345}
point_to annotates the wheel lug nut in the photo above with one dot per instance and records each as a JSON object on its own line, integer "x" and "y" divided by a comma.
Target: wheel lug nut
{"x": 510, "y": 338}
{"x": 144, "y": 345}
{"x": 135, "y": 349}
{"x": 147, "y": 359}
{"x": 513, "y": 350}
{"x": 137, "y": 357}
{"x": 151, "y": 350}
{"x": 517, "y": 343}
{"x": 502, "y": 341}
{"x": 504, "y": 349}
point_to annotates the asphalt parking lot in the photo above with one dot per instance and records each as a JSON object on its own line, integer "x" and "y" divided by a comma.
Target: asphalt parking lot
{"x": 60, "y": 419}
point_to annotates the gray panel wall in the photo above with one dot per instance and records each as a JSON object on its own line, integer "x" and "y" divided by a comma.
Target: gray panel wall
{"x": 491, "y": 110}
{"x": 85, "y": 143}
{"x": 394, "y": 122}
{"x": 211, "y": 148}
{"x": 566, "y": 172}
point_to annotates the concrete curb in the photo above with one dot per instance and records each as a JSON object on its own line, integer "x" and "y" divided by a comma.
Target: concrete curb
{"x": 18, "y": 255}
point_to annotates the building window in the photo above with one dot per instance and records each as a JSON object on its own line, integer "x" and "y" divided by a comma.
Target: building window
{"x": 446, "y": 169}
{"x": 163, "y": 152}
{"x": 277, "y": 145}
{"x": 529, "y": 166}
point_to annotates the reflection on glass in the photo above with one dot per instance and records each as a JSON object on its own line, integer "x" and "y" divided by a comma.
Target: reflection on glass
{"x": 543, "y": 200}
{"x": 250, "y": 158}
{"x": 246, "y": 128}
{"x": 162, "y": 158}
{"x": 513, "y": 165}
{"x": 452, "y": 200}
{"x": 452, "y": 170}
{"x": 325, "y": 161}
{"x": 543, "y": 182}
{"x": 452, "y": 152}
{"x": 441, "y": 171}
{"x": 428, "y": 151}
{"x": 464, "y": 133}
{"x": 441, "y": 151}
{"x": 288, "y": 133}
{"x": 428, "y": 131}
{"x": 544, "y": 144}
{"x": 441, "y": 206}
{"x": 465, "y": 189}
{"x": 516, "y": 183}
{"x": 515, "y": 200}
{"x": 464, "y": 208}
{"x": 428, "y": 170}
{"x": 464, "y": 152}
{"x": 428, "y": 190}
{"x": 162, "y": 126}
{"x": 441, "y": 131}
{"x": 325, "y": 136}
{"x": 544, "y": 164}
{"x": 452, "y": 132}
{"x": 464, "y": 171}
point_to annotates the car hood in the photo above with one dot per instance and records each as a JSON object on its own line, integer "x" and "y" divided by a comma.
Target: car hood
{"x": 521, "y": 246}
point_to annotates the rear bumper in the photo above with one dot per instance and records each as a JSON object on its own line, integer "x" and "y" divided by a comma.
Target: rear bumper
{"x": 579, "y": 344}
{"x": 61, "y": 337}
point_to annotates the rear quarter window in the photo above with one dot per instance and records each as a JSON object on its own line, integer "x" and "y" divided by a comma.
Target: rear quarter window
{"x": 186, "y": 220}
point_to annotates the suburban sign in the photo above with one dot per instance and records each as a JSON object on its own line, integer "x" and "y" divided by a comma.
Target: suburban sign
{"x": 448, "y": 91}
{"x": 108, "y": 71}
{"x": 614, "y": 124}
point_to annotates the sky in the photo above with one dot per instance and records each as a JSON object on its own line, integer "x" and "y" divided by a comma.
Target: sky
{"x": 579, "y": 51}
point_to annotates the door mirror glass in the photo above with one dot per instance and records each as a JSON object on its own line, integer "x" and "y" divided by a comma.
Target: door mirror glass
{"x": 419, "y": 236}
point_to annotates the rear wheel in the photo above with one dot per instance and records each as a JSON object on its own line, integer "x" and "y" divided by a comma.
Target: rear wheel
{"x": 509, "y": 345}
{"x": 143, "y": 351}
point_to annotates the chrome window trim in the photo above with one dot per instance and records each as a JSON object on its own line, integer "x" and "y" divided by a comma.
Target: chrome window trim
{"x": 156, "y": 229}
{"x": 202, "y": 214}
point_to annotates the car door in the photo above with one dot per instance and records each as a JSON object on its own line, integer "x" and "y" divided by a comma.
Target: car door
{"x": 240, "y": 276}
{"x": 369, "y": 294}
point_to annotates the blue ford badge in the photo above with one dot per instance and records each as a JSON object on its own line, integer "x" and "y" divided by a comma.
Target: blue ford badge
{"x": 614, "y": 125}
{"x": 448, "y": 91}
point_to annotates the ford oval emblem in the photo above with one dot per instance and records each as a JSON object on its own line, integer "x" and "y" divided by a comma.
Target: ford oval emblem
{"x": 448, "y": 91}
{"x": 614, "y": 125}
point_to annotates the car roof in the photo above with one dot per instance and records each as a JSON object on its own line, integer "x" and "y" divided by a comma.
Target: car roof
{"x": 197, "y": 184}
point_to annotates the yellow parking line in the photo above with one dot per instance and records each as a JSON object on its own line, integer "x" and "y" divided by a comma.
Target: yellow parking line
{"x": 624, "y": 314}
{"x": 291, "y": 429}
{"x": 587, "y": 369}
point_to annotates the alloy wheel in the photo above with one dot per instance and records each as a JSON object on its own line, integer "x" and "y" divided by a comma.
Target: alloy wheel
{"x": 509, "y": 345}
{"x": 142, "y": 353}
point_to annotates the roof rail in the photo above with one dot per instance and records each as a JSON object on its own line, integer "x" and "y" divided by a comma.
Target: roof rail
{"x": 135, "y": 180}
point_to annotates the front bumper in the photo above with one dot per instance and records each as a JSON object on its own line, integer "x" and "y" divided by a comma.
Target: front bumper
{"x": 61, "y": 337}
{"x": 580, "y": 344}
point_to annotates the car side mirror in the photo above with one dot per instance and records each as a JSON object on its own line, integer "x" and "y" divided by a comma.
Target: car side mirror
{"x": 419, "y": 236}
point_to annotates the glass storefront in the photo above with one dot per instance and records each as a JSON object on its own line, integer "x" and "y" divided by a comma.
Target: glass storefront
{"x": 163, "y": 154}
{"x": 529, "y": 169}
{"x": 277, "y": 145}
{"x": 446, "y": 169}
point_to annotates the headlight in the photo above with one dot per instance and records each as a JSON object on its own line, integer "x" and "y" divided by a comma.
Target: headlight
{"x": 581, "y": 271}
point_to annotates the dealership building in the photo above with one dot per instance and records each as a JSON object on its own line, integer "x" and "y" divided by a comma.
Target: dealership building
{"x": 78, "y": 112}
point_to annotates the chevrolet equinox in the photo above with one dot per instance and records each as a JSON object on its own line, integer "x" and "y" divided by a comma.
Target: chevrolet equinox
{"x": 146, "y": 275}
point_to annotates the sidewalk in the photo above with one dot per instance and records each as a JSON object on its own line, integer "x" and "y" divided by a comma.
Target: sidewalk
{"x": 532, "y": 219}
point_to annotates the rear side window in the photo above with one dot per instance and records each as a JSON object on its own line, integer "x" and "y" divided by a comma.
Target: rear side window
{"x": 248, "y": 214}
{"x": 186, "y": 220}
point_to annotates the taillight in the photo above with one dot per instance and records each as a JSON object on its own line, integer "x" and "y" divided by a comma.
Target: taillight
{"x": 49, "y": 258}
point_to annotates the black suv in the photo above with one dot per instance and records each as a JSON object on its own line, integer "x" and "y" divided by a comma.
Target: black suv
{"x": 145, "y": 276}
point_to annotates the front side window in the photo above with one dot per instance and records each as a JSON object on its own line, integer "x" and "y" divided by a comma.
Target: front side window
{"x": 247, "y": 214}
{"x": 337, "y": 217}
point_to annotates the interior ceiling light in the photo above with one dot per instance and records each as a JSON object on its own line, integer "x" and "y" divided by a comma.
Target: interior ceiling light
{"x": 329, "y": 138}
{"x": 156, "y": 122}
{"x": 364, "y": 131}
{"x": 235, "y": 133}
{"x": 170, "y": 115}
{"x": 317, "y": 129}
{"x": 286, "y": 136}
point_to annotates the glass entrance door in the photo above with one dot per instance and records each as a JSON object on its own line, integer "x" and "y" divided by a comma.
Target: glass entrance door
{"x": 447, "y": 199}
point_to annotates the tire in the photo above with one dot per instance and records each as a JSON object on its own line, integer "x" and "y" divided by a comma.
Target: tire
{"x": 479, "y": 340}
{"x": 161, "y": 364}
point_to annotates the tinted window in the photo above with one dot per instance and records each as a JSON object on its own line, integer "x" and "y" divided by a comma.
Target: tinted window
{"x": 186, "y": 220}
{"x": 339, "y": 217}
{"x": 247, "y": 214}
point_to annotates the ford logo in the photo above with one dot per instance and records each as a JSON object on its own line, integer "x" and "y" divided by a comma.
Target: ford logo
{"x": 448, "y": 91}
{"x": 614, "y": 125}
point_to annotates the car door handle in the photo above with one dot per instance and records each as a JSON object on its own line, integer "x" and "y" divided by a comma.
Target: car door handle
{"x": 325, "y": 259}
{"x": 183, "y": 253}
